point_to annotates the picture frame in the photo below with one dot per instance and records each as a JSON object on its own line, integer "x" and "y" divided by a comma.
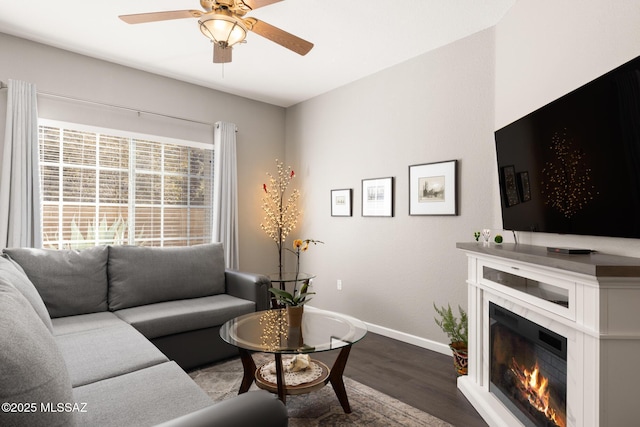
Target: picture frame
{"x": 341, "y": 202}
{"x": 509, "y": 186}
{"x": 377, "y": 197}
{"x": 524, "y": 186}
{"x": 433, "y": 188}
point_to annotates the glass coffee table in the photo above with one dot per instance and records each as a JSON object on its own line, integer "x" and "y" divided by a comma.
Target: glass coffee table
{"x": 275, "y": 331}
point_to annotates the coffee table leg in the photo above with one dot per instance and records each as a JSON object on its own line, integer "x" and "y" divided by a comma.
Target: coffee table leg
{"x": 282, "y": 387}
{"x": 335, "y": 377}
{"x": 249, "y": 370}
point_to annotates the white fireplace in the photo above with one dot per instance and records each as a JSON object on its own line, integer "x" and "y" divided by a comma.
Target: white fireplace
{"x": 590, "y": 304}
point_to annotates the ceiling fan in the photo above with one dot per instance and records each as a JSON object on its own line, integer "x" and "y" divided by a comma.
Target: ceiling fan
{"x": 223, "y": 22}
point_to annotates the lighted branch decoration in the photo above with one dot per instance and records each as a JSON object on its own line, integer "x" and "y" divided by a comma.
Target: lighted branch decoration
{"x": 281, "y": 210}
{"x": 567, "y": 184}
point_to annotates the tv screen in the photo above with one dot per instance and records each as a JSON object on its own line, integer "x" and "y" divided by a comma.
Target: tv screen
{"x": 573, "y": 166}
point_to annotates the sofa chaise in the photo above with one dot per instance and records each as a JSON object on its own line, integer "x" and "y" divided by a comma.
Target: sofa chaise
{"x": 101, "y": 337}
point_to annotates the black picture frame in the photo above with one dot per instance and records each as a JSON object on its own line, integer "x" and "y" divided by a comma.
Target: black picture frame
{"x": 509, "y": 186}
{"x": 377, "y": 197}
{"x": 433, "y": 188}
{"x": 524, "y": 186}
{"x": 342, "y": 202}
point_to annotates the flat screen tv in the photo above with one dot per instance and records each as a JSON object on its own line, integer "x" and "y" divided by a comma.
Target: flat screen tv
{"x": 573, "y": 166}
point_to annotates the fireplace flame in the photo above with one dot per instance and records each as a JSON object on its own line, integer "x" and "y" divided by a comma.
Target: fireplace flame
{"x": 534, "y": 388}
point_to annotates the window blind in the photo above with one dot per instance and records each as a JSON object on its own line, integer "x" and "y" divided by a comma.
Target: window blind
{"x": 103, "y": 188}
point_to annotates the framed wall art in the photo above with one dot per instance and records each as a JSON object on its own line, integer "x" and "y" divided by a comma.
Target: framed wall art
{"x": 433, "y": 188}
{"x": 377, "y": 197}
{"x": 509, "y": 186}
{"x": 524, "y": 186}
{"x": 341, "y": 204}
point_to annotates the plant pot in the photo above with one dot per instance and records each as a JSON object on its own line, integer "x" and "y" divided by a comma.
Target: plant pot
{"x": 294, "y": 330}
{"x": 460, "y": 357}
{"x": 294, "y": 315}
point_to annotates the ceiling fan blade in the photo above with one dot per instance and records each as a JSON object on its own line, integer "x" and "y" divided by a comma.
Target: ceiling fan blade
{"x": 275, "y": 34}
{"x": 221, "y": 55}
{"x": 141, "y": 18}
{"x": 255, "y": 4}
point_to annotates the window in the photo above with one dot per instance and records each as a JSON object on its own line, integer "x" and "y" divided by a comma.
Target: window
{"x": 109, "y": 187}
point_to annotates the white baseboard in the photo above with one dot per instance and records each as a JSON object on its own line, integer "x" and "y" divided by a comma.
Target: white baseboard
{"x": 402, "y": 336}
{"x": 410, "y": 339}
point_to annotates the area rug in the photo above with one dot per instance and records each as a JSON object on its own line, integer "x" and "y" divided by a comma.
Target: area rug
{"x": 321, "y": 408}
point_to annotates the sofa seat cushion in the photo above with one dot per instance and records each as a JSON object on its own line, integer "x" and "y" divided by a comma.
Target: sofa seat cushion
{"x": 32, "y": 369}
{"x": 14, "y": 274}
{"x": 173, "y": 317}
{"x": 96, "y": 354}
{"x": 141, "y": 398}
{"x": 146, "y": 275}
{"x": 85, "y": 322}
{"x": 69, "y": 281}
{"x": 266, "y": 411}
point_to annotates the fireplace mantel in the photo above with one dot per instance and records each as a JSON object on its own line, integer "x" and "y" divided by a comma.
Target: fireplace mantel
{"x": 600, "y": 319}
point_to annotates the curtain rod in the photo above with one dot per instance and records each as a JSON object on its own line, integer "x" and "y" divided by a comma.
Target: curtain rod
{"x": 120, "y": 107}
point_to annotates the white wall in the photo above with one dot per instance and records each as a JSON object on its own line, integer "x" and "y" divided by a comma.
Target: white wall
{"x": 261, "y": 126}
{"x": 440, "y": 106}
{"x": 545, "y": 49}
{"x": 433, "y": 108}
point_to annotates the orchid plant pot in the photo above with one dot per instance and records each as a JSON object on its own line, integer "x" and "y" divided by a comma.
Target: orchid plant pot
{"x": 294, "y": 315}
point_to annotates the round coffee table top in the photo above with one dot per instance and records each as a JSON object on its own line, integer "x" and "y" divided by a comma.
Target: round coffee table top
{"x": 269, "y": 331}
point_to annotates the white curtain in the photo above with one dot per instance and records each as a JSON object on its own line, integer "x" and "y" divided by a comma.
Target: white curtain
{"x": 20, "y": 207}
{"x": 225, "y": 195}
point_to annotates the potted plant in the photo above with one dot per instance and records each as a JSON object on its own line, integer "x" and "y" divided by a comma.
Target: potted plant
{"x": 299, "y": 296}
{"x": 456, "y": 330}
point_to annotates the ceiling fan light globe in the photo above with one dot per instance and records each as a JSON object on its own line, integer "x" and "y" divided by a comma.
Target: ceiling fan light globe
{"x": 223, "y": 29}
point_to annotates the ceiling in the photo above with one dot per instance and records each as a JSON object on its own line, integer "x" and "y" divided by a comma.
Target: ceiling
{"x": 352, "y": 39}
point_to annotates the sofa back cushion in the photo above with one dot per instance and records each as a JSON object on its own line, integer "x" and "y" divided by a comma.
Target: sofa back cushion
{"x": 70, "y": 282}
{"x": 32, "y": 370}
{"x": 145, "y": 275}
{"x": 13, "y": 273}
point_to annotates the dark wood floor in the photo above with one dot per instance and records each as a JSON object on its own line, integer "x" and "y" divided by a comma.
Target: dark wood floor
{"x": 418, "y": 377}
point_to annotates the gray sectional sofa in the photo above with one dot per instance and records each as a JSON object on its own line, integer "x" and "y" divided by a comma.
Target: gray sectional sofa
{"x": 101, "y": 337}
